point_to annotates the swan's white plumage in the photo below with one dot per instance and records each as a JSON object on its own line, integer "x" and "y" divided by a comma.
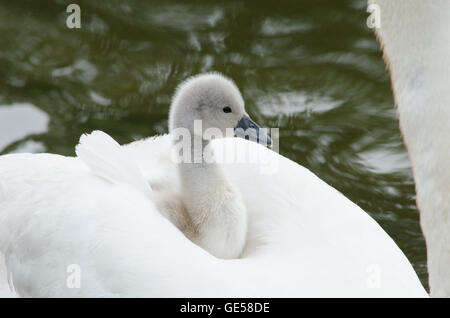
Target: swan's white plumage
{"x": 305, "y": 238}
{"x": 108, "y": 160}
{"x": 6, "y": 289}
{"x": 415, "y": 38}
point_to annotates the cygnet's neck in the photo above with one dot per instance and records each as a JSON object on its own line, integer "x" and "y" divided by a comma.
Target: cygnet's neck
{"x": 213, "y": 203}
{"x": 201, "y": 173}
{"x": 416, "y": 44}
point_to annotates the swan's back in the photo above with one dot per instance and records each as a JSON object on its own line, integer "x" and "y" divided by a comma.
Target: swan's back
{"x": 57, "y": 213}
{"x": 305, "y": 238}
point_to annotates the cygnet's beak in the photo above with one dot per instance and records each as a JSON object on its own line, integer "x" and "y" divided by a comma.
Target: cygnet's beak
{"x": 248, "y": 129}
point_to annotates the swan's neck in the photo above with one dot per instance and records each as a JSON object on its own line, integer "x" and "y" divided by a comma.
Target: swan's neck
{"x": 214, "y": 205}
{"x": 416, "y": 43}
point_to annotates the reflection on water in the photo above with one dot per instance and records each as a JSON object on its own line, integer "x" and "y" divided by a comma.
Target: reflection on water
{"x": 311, "y": 68}
{"x": 383, "y": 160}
{"x": 291, "y": 103}
{"x": 81, "y": 70}
{"x": 18, "y": 121}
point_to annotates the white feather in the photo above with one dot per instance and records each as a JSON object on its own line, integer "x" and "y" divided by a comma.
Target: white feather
{"x": 106, "y": 159}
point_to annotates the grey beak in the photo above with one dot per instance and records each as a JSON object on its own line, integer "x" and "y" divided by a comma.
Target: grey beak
{"x": 248, "y": 129}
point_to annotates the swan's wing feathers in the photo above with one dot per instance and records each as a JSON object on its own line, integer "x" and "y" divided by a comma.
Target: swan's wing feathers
{"x": 108, "y": 160}
{"x": 6, "y": 288}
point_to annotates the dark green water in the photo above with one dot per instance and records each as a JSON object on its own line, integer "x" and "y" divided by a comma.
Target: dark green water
{"x": 312, "y": 68}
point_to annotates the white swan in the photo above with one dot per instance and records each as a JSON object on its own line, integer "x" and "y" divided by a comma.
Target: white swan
{"x": 415, "y": 37}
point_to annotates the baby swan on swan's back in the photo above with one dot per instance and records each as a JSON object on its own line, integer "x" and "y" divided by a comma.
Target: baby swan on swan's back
{"x": 215, "y": 206}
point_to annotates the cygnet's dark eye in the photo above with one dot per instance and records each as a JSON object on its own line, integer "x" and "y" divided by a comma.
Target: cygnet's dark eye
{"x": 227, "y": 109}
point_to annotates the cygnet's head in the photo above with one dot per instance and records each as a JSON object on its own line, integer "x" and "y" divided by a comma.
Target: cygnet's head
{"x": 217, "y": 102}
